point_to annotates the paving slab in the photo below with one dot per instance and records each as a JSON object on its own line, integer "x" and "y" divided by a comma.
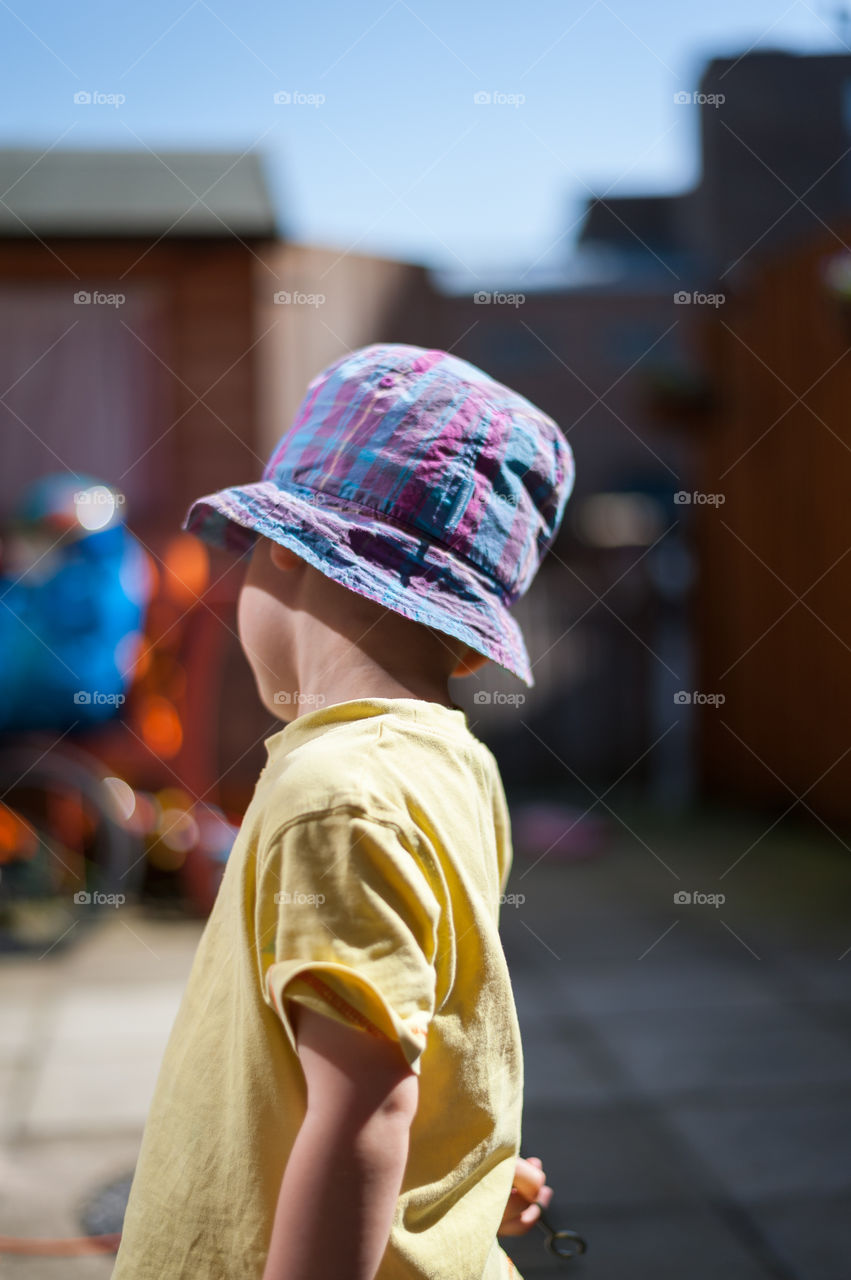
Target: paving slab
{"x": 812, "y": 1236}
{"x": 42, "y": 1188}
{"x": 657, "y": 983}
{"x": 563, "y": 1064}
{"x": 91, "y": 1096}
{"x": 97, "y": 1020}
{"x": 798, "y": 1146}
{"x": 713, "y": 1049}
{"x": 128, "y": 945}
{"x": 819, "y": 977}
{"x": 18, "y": 1026}
{"x": 611, "y": 1155}
{"x": 651, "y": 1243}
{"x": 92, "y": 1062}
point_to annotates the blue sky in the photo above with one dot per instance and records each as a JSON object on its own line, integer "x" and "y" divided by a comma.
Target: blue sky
{"x": 398, "y": 158}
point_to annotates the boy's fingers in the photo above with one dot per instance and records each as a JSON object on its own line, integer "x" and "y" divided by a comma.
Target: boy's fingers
{"x": 528, "y": 1178}
{"x": 544, "y": 1196}
{"x": 519, "y": 1223}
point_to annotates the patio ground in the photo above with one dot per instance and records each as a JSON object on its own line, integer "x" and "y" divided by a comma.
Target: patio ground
{"x": 688, "y": 1064}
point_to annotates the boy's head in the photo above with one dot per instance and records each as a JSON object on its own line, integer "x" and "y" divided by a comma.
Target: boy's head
{"x": 297, "y": 627}
{"x": 415, "y": 481}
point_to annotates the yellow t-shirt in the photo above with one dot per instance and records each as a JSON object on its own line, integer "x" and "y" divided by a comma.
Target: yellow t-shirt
{"x": 365, "y": 882}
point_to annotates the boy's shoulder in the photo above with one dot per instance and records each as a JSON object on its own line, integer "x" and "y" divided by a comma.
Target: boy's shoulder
{"x": 387, "y": 769}
{"x": 328, "y": 772}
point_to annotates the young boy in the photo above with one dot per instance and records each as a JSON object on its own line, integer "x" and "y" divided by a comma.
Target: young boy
{"x": 341, "y": 1094}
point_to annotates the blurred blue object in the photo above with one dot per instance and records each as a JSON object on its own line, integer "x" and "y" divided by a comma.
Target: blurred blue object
{"x": 73, "y": 592}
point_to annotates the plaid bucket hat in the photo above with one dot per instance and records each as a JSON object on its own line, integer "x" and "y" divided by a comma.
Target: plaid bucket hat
{"x": 416, "y": 480}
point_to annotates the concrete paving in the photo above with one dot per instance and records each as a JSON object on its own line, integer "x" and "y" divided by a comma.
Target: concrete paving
{"x": 688, "y": 1064}
{"x": 82, "y": 1033}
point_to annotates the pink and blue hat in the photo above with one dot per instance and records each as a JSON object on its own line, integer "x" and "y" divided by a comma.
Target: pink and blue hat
{"x": 418, "y": 481}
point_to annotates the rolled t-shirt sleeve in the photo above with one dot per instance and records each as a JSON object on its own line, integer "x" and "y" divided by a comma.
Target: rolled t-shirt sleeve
{"x": 347, "y": 924}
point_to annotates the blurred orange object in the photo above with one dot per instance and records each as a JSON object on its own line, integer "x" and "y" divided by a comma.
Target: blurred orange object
{"x": 160, "y": 725}
{"x": 17, "y": 838}
{"x": 186, "y": 566}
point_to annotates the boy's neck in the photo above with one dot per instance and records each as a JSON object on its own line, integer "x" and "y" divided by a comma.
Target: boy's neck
{"x": 369, "y": 685}
{"x": 343, "y": 693}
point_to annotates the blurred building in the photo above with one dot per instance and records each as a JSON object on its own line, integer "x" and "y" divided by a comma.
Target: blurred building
{"x": 775, "y": 572}
{"x": 759, "y": 251}
{"x": 651, "y": 601}
{"x": 605, "y": 621}
{"x": 775, "y": 153}
{"x": 126, "y": 312}
{"x": 157, "y": 332}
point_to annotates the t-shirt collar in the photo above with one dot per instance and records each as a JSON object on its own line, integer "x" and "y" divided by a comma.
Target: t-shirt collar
{"x": 428, "y": 714}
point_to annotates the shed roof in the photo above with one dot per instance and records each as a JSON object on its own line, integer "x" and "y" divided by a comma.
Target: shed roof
{"x": 132, "y": 193}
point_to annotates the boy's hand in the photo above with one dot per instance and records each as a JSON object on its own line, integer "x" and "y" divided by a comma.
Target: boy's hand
{"x": 530, "y": 1185}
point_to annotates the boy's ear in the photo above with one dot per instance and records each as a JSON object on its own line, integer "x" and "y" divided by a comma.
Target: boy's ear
{"x": 471, "y": 661}
{"x": 282, "y": 557}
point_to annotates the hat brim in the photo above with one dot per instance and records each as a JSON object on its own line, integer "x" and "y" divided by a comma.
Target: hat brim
{"x": 405, "y": 571}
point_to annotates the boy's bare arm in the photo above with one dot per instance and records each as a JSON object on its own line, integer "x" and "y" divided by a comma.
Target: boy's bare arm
{"x": 342, "y": 1181}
